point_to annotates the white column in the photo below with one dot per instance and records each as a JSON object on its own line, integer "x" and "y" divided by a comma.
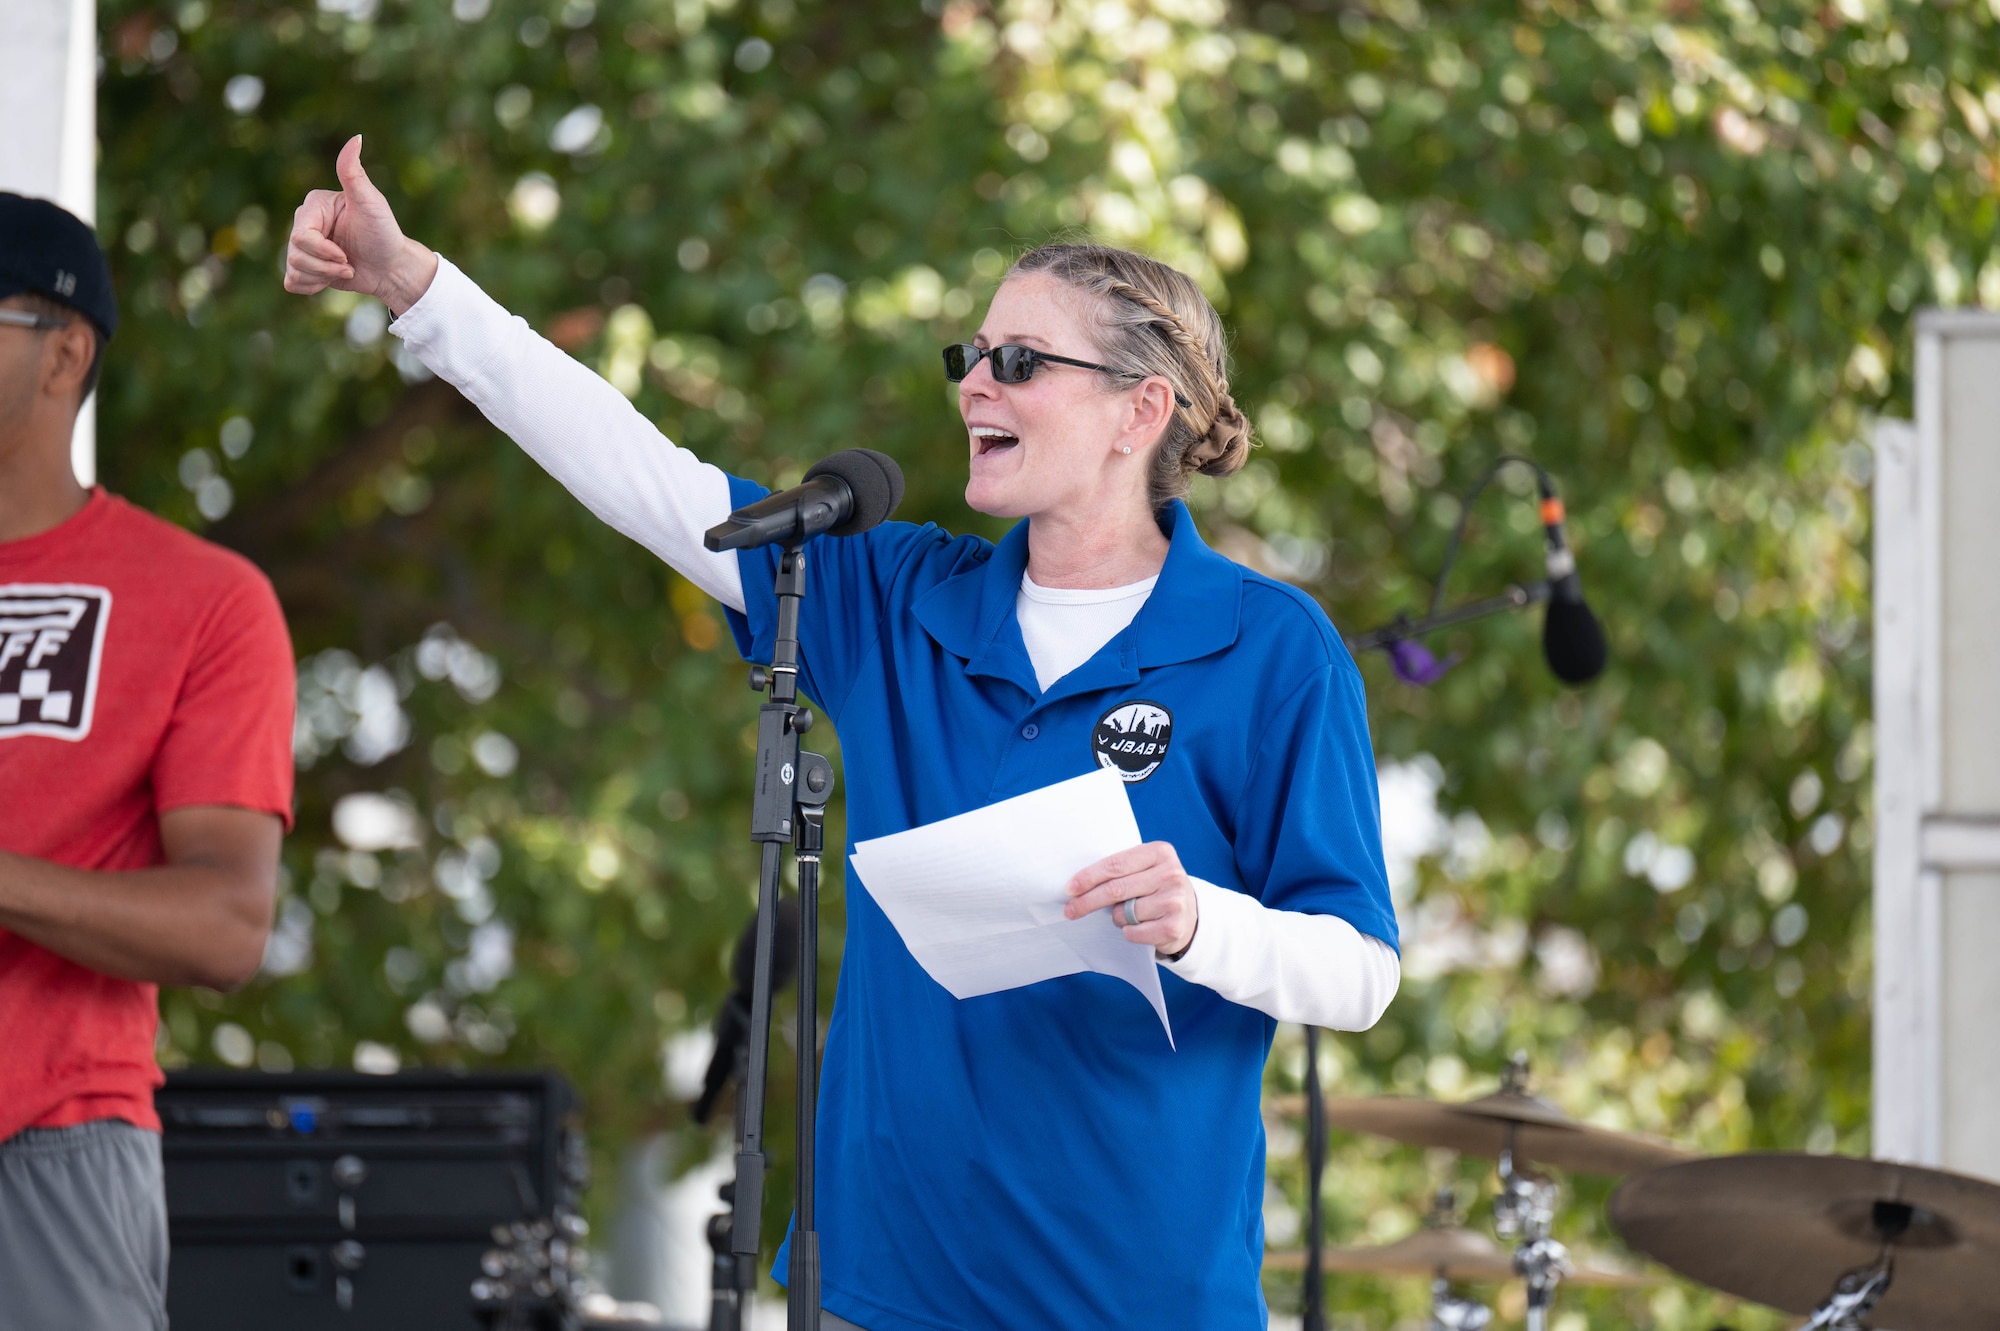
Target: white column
{"x": 1937, "y": 763}
{"x": 1906, "y": 935}
{"x": 48, "y": 105}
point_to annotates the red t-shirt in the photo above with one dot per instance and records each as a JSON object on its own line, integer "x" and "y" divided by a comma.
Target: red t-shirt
{"x": 141, "y": 669}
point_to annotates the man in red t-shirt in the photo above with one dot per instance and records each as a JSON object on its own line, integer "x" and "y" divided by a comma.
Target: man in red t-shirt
{"x": 146, "y": 695}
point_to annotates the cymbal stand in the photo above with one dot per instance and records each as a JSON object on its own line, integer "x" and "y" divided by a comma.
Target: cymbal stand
{"x": 1523, "y": 1212}
{"x": 1449, "y": 1312}
{"x": 1854, "y": 1294}
{"x": 1857, "y": 1292}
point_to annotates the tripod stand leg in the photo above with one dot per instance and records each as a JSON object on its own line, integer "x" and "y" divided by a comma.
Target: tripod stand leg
{"x": 750, "y": 1153}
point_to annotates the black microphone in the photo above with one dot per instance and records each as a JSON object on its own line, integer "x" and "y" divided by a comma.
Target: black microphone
{"x": 732, "y": 1024}
{"x": 843, "y": 495}
{"x": 1572, "y": 639}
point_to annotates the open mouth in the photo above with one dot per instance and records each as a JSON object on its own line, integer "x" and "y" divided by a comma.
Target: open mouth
{"x": 991, "y": 439}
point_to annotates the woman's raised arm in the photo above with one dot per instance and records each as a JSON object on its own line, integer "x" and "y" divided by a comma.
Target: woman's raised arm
{"x": 580, "y": 428}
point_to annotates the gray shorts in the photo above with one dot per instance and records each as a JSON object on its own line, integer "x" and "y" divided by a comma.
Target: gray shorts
{"x": 83, "y": 1229}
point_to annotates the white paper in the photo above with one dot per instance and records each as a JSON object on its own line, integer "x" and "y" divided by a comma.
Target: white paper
{"x": 979, "y": 898}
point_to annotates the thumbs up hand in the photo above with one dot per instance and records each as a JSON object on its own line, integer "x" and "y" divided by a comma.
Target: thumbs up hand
{"x": 348, "y": 239}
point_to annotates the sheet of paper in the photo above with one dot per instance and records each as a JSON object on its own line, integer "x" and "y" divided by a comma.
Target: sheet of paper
{"x": 979, "y": 898}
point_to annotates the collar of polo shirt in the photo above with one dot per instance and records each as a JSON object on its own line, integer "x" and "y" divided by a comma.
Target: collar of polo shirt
{"x": 1194, "y": 609}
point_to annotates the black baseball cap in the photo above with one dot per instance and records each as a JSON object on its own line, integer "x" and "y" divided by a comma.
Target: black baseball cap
{"x": 48, "y": 251}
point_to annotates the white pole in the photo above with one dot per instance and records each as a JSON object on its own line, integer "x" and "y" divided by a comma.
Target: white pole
{"x": 1908, "y": 1052}
{"x": 76, "y": 184}
{"x": 1937, "y": 757}
{"x": 48, "y": 102}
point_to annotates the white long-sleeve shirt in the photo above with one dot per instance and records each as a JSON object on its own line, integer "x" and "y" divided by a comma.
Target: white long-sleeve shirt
{"x": 1316, "y": 969}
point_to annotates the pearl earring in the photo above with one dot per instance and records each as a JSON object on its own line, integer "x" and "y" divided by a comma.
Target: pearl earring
{"x": 1128, "y": 448}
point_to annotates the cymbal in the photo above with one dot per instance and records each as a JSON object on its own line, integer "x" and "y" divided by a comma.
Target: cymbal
{"x": 1781, "y": 1228}
{"x": 1460, "y": 1254}
{"x": 1538, "y": 1130}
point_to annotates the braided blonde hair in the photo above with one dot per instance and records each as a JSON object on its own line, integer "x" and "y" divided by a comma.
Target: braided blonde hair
{"x": 1153, "y": 319}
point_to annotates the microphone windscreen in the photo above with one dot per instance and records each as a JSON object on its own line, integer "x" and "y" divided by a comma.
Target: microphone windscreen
{"x": 784, "y": 956}
{"x": 1573, "y": 640}
{"x": 875, "y": 480}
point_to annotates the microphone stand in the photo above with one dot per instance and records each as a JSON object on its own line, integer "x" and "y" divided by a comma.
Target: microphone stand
{"x": 1313, "y": 1316}
{"x": 788, "y": 804}
{"x": 730, "y": 1278}
{"x": 1516, "y": 597}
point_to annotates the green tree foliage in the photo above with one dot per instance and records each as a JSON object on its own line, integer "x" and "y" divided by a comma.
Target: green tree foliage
{"x": 1669, "y": 250}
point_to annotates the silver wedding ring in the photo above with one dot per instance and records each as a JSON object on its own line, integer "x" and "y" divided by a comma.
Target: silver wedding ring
{"x": 1131, "y": 910}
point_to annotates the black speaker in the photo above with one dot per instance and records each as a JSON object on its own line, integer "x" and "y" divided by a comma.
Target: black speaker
{"x": 342, "y": 1200}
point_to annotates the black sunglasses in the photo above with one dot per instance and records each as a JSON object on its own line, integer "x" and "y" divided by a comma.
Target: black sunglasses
{"x": 1013, "y": 364}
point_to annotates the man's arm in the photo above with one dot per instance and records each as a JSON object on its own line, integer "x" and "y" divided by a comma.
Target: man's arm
{"x": 200, "y": 919}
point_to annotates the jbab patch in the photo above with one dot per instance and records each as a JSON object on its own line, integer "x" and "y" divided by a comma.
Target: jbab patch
{"x": 51, "y": 639}
{"x": 1132, "y": 738}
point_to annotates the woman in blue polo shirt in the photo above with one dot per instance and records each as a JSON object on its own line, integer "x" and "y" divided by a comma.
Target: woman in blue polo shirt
{"x": 1038, "y": 1157}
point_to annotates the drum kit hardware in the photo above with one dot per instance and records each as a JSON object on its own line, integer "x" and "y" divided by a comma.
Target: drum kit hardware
{"x": 1911, "y": 1246}
{"x": 1452, "y": 1252}
{"x": 1449, "y": 1254}
{"x": 1524, "y": 1212}
{"x": 1509, "y": 1120}
{"x": 1916, "y": 1247}
{"x": 1514, "y": 1127}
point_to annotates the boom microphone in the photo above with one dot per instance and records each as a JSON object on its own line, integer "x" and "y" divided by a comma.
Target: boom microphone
{"x": 732, "y": 1024}
{"x": 842, "y": 495}
{"x": 1572, "y": 639}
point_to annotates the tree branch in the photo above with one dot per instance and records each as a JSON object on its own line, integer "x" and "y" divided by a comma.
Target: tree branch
{"x": 261, "y": 530}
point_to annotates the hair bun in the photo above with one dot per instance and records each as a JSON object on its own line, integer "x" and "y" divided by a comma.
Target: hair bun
{"x": 1226, "y": 446}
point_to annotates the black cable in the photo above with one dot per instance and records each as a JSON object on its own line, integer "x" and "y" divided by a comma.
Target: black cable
{"x": 1542, "y": 477}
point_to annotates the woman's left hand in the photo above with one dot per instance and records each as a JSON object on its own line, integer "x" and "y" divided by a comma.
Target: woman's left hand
{"x": 1161, "y": 894}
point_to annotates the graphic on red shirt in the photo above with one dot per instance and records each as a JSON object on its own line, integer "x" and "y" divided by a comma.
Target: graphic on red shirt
{"x": 142, "y": 670}
{"x": 50, "y": 638}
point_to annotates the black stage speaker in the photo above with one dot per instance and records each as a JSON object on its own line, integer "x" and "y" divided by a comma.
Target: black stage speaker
{"x": 310, "y": 1200}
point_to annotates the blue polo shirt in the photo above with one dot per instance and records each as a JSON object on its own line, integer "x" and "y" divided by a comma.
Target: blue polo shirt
{"x": 1040, "y": 1157}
